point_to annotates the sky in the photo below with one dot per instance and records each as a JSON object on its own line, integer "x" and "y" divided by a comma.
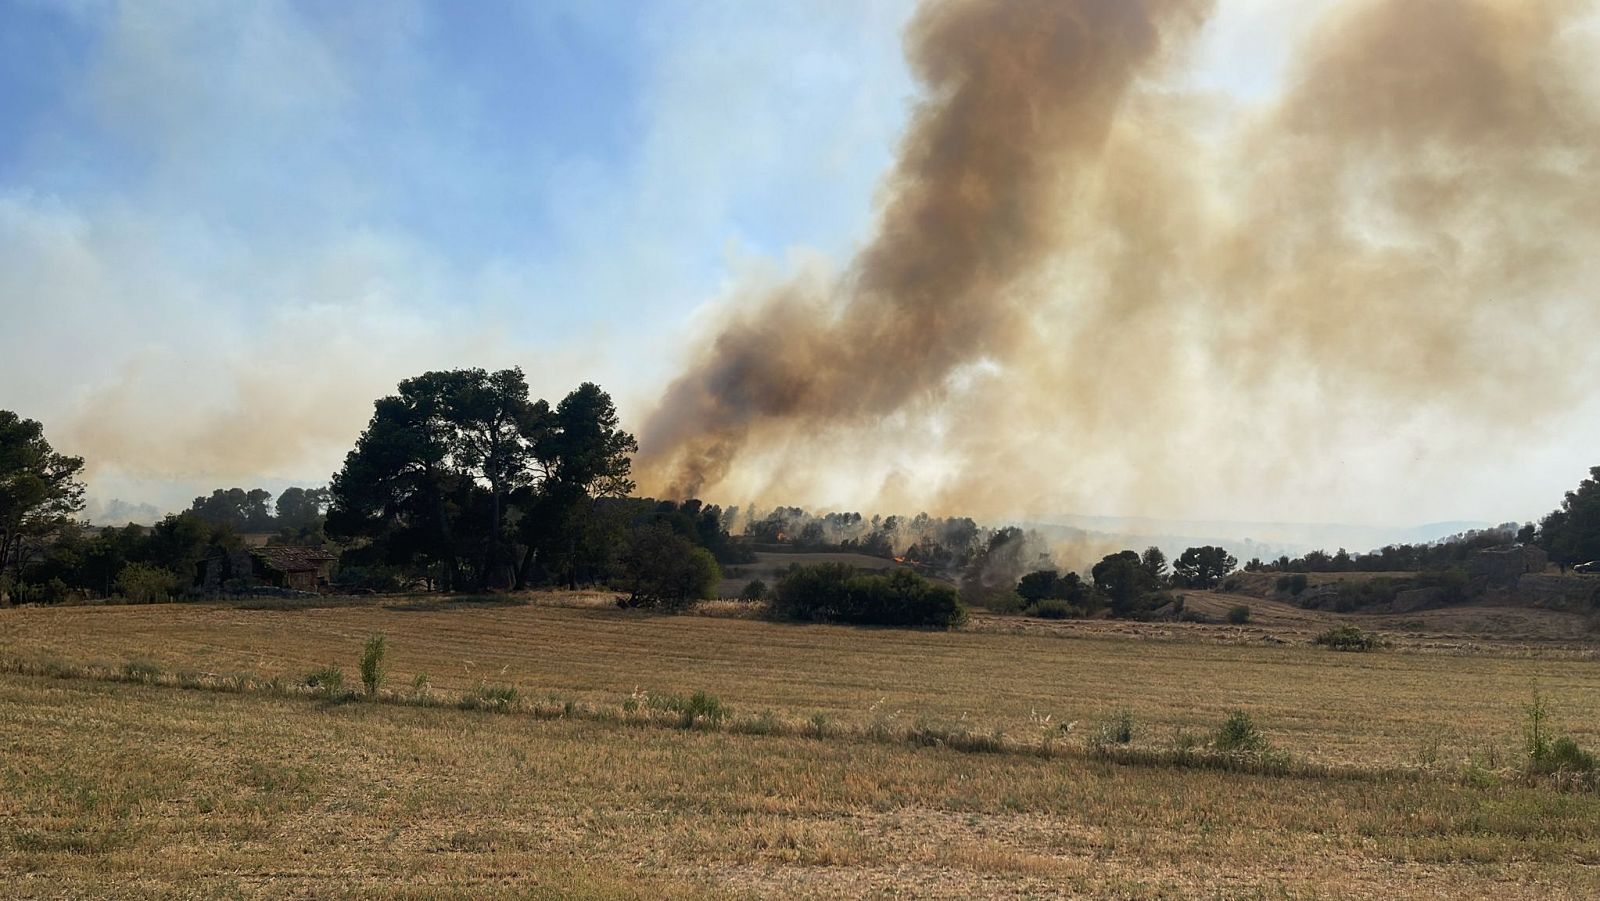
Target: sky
{"x": 225, "y": 228}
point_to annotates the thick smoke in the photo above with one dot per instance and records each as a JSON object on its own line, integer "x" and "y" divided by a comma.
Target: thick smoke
{"x": 1022, "y": 95}
{"x": 1086, "y": 270}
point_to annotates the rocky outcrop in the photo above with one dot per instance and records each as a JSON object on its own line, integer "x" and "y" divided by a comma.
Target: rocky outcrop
{"x": 1571, "y": 593}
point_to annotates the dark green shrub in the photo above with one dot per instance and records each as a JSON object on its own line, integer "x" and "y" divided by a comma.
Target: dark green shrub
{"x": 368, "y": 579}
{"x": 811, "y": 592}
{"x": 1238, "y": 734}
{"x": 1294, "y": 584}
{"x": 834, "y": 592}
{"x": 754, "y": 590}
{"x": 1566, "y": 757}
{"x": 666, "y": 570}
{"x": 1037, "y": 586}
{"x": 1003, "y": 601}
{"x": 1239, "y": 615}
{"x": 702, "y": 707}
{"x": 1347, "y": 638}
{"x": 1050, "y": 608}
{"x": 54, "y": 591}
{"x": 142, "y": 583}
{"x": 1548, "y": 753}
{"x": 1454, "y": 582}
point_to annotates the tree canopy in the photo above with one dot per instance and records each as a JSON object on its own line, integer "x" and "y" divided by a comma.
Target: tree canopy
{"x": 40, "y": 489}
{"x": 1571, "y": 533}
{"x": 454, "y": 459}
{"x": 1203, "y": 567}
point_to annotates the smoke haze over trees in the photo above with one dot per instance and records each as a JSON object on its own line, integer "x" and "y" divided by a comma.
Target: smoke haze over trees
{"x": 1074, "y": 244}
{"x": 1347, "y": 252}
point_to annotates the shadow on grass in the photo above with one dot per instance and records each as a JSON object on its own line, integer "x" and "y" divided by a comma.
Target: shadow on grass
{"x": 310, "y": 602}
{"x": 459, "y": 602}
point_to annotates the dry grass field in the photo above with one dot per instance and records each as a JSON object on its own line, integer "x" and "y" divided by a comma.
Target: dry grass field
{"x": 112, "y": 788}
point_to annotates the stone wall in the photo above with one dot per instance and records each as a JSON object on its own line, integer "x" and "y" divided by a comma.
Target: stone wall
{"x": 1571, "y": 593}
{"x": 1503, "y": 566}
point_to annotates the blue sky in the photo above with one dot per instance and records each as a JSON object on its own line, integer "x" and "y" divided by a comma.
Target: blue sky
{"x": 207, "y": 203}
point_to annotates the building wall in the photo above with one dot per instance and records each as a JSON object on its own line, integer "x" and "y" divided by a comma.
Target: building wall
{"x": 305, "y": 580}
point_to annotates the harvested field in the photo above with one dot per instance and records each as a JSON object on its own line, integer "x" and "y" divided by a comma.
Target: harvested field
{"x": 207, "y": 793}
{"x": 226, "y": 779}
{"x": 1379, "y": 708}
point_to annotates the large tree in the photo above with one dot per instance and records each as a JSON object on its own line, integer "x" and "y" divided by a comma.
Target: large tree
{"x": 244, "y": 511}
{"x": 1571, "y": 534}
{"x": 1125, "y": 582}
{"x": 461, "y": 466}
{"x": 301, "y": 507}
{"x": 492, "y": 417}
{"x": 1203, "y": 567}
{"x": 582, "y": 457}
{"x": 398, "y": 485}
{"x": 39, "y": 489}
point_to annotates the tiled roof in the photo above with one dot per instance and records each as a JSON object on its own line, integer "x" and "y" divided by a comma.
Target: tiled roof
{"x": 293, "y": 559}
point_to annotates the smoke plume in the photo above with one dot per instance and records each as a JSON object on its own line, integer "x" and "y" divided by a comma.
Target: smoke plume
{"x": 1087, "y": 271}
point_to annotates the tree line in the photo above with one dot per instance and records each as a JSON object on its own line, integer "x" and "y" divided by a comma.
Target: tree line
{"x": 1125, "y": 585}
{"x": 462, "y": 481}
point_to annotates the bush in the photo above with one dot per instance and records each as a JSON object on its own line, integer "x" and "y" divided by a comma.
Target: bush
{"x": 754, "y": 590}
{"x": 834, "y": 592}
{"x": 1038, "y": 586}
{"x": 1003, "y": 601}
{"x": 668, "y": 571}
{"x": 1239, "y": 615}
{"x": 1454, "y": 582}
{"x": 1552, "y": 755}
{"x": 1347, "y": 638}
{"x": 1566, "y": 757}
{"x": 146, "y": 584}
{"x": 383, "y": 579}
{"x": 1238, "y": 734}
{"x": 372, "y": 666}
{"x": 702, "y": 707}
{"x": 1295, "y": 584}
{"x": 499, "y": 698}
{"x": 329, "y": 681}
{"x": 1051, "y": 608}
{"x": 810, "y": 592}
{"x": 1117, "y": 730}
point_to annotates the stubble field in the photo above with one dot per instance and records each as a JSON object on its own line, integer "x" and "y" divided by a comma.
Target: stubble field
{"x": 127, "y": 788}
